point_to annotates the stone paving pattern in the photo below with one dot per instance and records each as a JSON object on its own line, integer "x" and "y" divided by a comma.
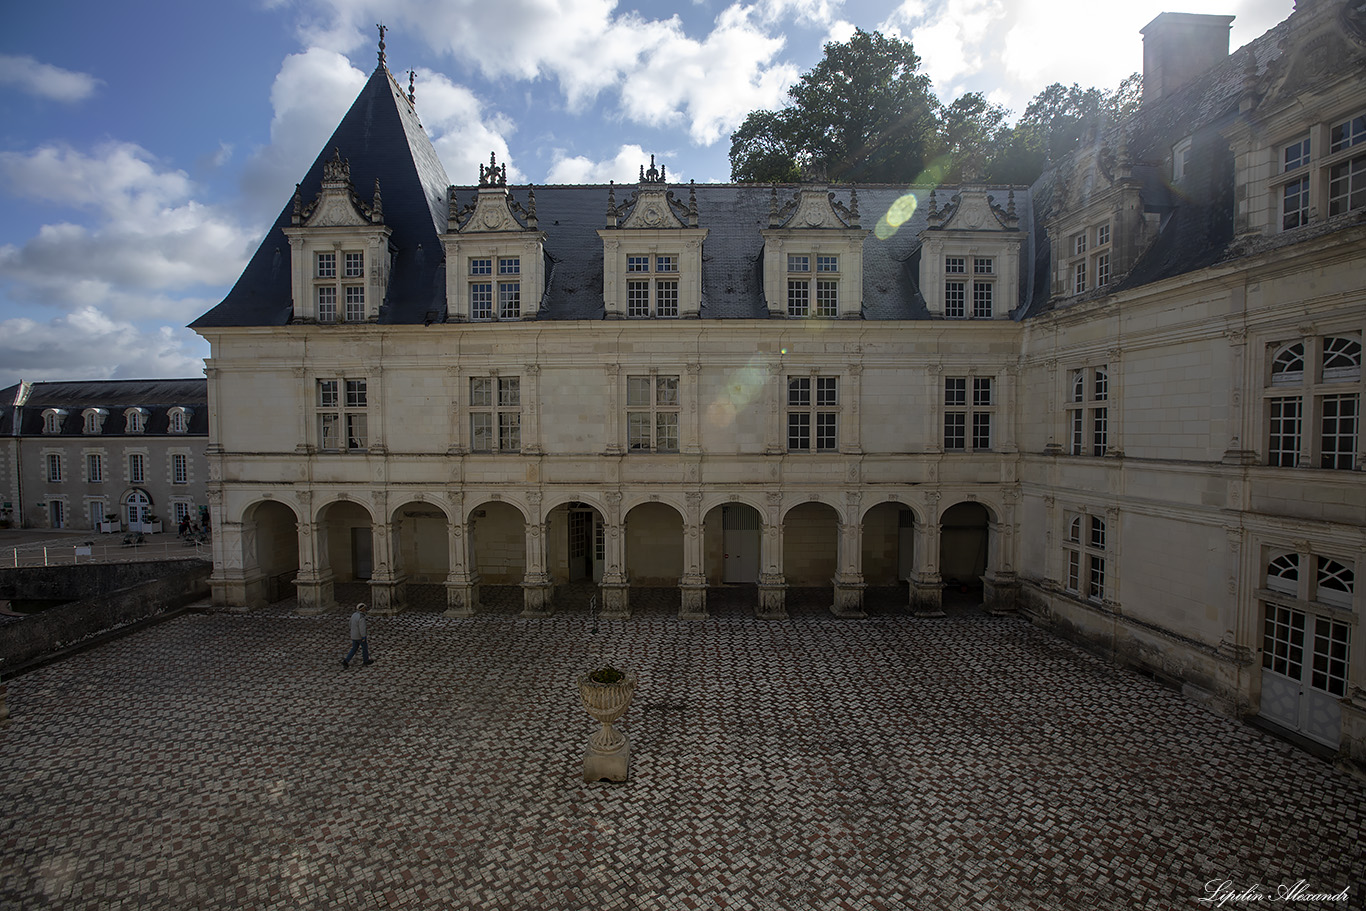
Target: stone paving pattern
{"x": 222, "y": 760}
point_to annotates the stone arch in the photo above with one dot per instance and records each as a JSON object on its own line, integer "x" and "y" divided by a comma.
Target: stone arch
{"x": 732, "y": 533}
{"x": 888, "y": 543}
{"x": 654, "y": 544}
{"x": 476, "y": 502}
{"x": 346, "y": 543}
{"x": 270, "y": 550}
{"x": 794, "y": 504}
{"x": 497, "y": 544}
{"x": 811, "y": 542}
{"x": 420, "y": 530}
{"x": 965, "y": 548}
{"x": 576, "y": 540}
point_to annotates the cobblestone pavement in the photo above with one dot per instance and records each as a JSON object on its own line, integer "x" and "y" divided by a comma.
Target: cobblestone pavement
{"x": 223, "y": 760}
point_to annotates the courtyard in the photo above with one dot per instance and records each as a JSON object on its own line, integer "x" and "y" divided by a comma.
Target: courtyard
{"x": 224, "y": 760}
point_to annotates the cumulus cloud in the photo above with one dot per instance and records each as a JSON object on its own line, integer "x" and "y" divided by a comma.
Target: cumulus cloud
{"x": 45, "y": 80}
{"x": 662, "y": 75}
{"x": 149, "y": 234}
{"x": 462, "y": 132}
{"x": 310, "y": 95}
{"x": 62, "y": 349}
{"x": 624, "y": 167}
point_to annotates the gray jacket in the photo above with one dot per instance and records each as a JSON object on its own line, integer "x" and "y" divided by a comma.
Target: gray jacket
{"x": 357, "y": 625}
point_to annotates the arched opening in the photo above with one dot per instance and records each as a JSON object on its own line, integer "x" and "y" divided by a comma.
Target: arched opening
{"x": 270, "y": 544}
{"x": 498, "y": 555}
{"x": 731, "y": 537}
{"x": 422, "y": 553}
{"x": 811, "y": 540}
{"x": 137, "y": 510}
{"x": 576, "y": 553}
{"x": 348, "y": 547}
{"x": 963, "y": 541}
{"x": 654, "y": 555}
{"x": 888, "y": 556}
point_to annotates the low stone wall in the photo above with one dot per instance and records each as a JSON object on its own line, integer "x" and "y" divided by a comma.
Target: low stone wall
{"x": 110, "y": 596}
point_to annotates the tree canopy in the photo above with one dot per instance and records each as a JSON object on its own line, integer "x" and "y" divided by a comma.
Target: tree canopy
{"x": 864, "y": 114}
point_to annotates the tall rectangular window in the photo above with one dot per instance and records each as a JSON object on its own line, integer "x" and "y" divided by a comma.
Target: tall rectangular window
{"x": 803, "y": 288}
{"x": 342, "y": 415}
{"x": 666, "y": 297}
{"x": 1295, "y": 204}
{"x": 495, "y": 414}
{"x": 326, "y": 265}
{"x": 955, "y": 299}
{"x": 509, "y": 300}
{"x": 327, "y": 303}
{"x": 1084, "y": 546}
{"x": 961, "y": 413}
{"x": 354, "y": 264}
{"x": 652, "y": 298}
{"x": 54, "y": 467}
{"x": 1283, "y": 446}
{"x": 1338, "y": 444}
{"x": 1088, "y": 392}
{"x": 137, "y": 473}
{"x": 481, "y": 300}
{"x": 652, "y": 413}
{"x": 180, "y": 468}
{"x": 981, "y": 300}
{"x": 355, "y": 303}
{"x": 807, "y": 411}
{"x": 94, "y": 468}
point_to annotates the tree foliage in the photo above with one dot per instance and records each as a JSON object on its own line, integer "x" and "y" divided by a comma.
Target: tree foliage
{"x": 865, "y": 114}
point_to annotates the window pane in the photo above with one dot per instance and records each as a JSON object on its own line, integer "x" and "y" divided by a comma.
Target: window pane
{"x": 1283, "y": 443}
{"x": 481, "y": 300}
{"x": 827, "y": 299}
{"x": 327, "y": 393}
{"x": 798, "y": 390}
{"x": 638, "y": 390}
{"x": 666, "y": 263}
{"x": 798, "y": 430}
{"x": 666, "y": 390}
{"x": 666, "y": 298}
{"x": 955, "y": 424}
{"x": 481, "y": 431}
{"x": 1339, "y": 437}
{"x": 328, "y": 439}
{"x": 981, "y": 390}
{"x": 327, "y": 304}
{"x": 955, "y": 299}
{"x": 356, "y": 431}
{"x": 510, "y": 265}
{"x": 509, "y": 300}
{"x": 955, "y": 264}
{"x": 1099, "y": 431}
{"x": 355, "y": 394}
{"x": 638, "y": 430}
{"x": 509, "y": 391}
{"x": 827, "y": 263}
{"x": 798, "y": 298}
{"x": 798, "y": 263}
{"x": 637, "y": 264}
{"x": 327, "y": 265}
{"x": 982, "y": 306}
{"x": 355, "y": 265}
{"x": 481, "y": 267}
{"x": 955, "y": 390}
{"x": 666, "y": 431}
{"x": 826, "y": 431}
{"x": 637, "y": 299}
{"x": 509, "y": 431}
{"x": 481, "y": 392}
{"x": 827, "y": 390}
{"x": 981, "y": 430}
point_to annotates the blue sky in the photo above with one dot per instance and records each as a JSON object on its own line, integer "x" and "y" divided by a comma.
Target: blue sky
{"x": 146, "y": 145}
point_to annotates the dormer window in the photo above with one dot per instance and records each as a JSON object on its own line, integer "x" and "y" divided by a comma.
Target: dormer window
{"x": 1181, "y": 153}
{"x": 179, "y": 420}
{"x": 52, "y": 420}
{"x": 354, "y": 265}
{"x": 1346, "y": 177}
{"x": 1295, "y": 193}
{"x": 93, "y": 420}
{"x": 647, "y": 297}
{"x": 326, "y": 265}
{"x": 803, "y": 287}
{"x": 507, "y": 288}
{"x": 135, "y": 420}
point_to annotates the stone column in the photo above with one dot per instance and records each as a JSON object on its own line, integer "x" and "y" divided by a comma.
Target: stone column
{"x": 388, "y": 583}
{"x": 313, "y": 584}
{"x": 691, "y": 429}
{"x": 229, "y": 584}
{"x": 848, "y": 579}
{"x": 612, "y": 424}
{"x": 693, "y": 584}
{"x": 614, "y": 587}
{"x": 538, "y": 592}
{"x": 927, "y": 587}
{"x": 772, "y": 582}
{"x": 462, "y": 583}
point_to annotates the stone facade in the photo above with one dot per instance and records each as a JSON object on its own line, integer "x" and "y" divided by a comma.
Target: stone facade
{"x": 76, "y": 453}
{"x": 1124, "y": 401}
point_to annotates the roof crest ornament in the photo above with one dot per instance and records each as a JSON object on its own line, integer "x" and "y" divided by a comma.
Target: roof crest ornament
{"x": 652, "y": 175}
{"x": 382, "y": 29}
{"x": 612, "y": 213}
{"x": 494, "y": 175}
{"x": 412, "y": 87}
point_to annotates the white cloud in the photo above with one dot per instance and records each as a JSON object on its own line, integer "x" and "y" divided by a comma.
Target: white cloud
{"x": 45, "y": 80}
{"x": 62, "y": 349}
{"x": 462, "y": 132}
{"x": 664, "y": 77}
{"x": 311, "y": 94}
{"x": 624, "y": 167}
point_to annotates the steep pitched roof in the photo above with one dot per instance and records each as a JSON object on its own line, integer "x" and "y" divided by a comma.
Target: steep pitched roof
{"x": 383, "y": 138}
{"x": 158, "y": 396}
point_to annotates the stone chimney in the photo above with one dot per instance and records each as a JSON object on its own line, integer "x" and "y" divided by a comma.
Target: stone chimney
{"x": 1179, "y": 47}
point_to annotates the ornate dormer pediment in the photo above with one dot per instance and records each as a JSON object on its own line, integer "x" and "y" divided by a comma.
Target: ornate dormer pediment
{"x": 337, "y": 205}
{"x": 973, "y": 209}
{"x": 653, "y": 206}
{"x": 493, "y": 209}
{"x": 813, "y": 207}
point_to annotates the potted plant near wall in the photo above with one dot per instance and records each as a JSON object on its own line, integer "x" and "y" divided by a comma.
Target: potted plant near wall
{"x": 152, "y": 524}
{"x": 606, "y": 694}
{"x": 110, "y": 523}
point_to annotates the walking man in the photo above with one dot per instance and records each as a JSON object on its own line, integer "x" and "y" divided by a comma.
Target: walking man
{"x": 358, "y": 638}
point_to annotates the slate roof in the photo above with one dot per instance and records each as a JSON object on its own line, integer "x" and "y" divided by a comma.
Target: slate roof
{"x": 157, "y": 396}
{"x": 382, "y": 138}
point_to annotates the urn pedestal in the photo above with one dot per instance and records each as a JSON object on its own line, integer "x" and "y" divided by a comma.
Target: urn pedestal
{"x": 608, "y": 755}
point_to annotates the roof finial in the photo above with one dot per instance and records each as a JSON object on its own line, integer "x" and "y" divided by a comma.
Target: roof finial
{"x": 382, "y": 29}
{"x": 412, "y": 94}
{"x": 531, "y": 208}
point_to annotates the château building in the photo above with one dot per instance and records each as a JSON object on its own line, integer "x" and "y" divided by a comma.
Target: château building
{"x": 1124, "y": 402}
{"x": 104, "y": 455}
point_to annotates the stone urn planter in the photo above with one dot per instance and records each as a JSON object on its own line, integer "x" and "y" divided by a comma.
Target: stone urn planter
{"x": 606, "y": 694}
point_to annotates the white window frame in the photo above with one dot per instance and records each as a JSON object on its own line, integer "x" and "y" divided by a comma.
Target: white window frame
{"x": 813, "y": 409}
{"x": 495, "y": 413}
{"x": 1312, "y": 402}
{"x": 813, "y": 285}
{"x": 652, "y": 412}
{"x": 1088, "y": 411}
{"x": 969, "y": 412}
{"x": 341, "y": 414}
